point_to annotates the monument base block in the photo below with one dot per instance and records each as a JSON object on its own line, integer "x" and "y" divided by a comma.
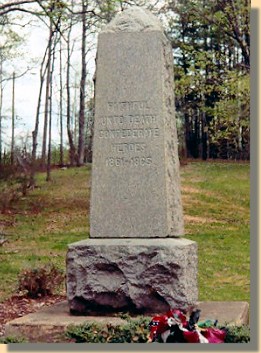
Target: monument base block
{"x": 131, "y": 275}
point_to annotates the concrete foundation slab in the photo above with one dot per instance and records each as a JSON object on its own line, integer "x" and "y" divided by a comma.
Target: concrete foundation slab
{"x": 48, "y": 324}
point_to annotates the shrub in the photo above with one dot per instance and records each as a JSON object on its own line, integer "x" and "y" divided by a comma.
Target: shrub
{"x": 11, "y": 339}
{"x": 238, "y": 334}
{"x": 40, "y": 281}
{"x": 9, "y": 195}
{"x": 134, "y": 331}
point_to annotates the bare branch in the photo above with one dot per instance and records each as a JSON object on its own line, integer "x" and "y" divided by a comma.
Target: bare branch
{"x": 4, "y": 12}
{"x": 21, "y": 25}
{"x": 56, "y": 24}
{"x": 11, "y": 4}
{"x": 17, "y": 76}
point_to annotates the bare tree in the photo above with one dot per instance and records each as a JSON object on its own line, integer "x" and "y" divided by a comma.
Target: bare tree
{"x": 36, "y": 127}
{"x": 72, "y": 149}
{"x": 61, "y": 105}
{"x": 49, "y": 157}
{"x": 82, "y": 88}
{"x": 47, "y": 95}
{"x": 13, "y": 119}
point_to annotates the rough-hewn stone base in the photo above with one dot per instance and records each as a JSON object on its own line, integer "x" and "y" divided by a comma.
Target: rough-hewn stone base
{"x": 134, "y": 275}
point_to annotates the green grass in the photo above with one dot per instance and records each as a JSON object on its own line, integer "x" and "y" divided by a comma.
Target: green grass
{"x": 216, "y": 209}
{"x": 41, "y": 225}
{"x": 217, "y": 216}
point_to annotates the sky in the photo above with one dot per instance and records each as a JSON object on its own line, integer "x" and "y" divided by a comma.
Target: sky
{"x": 27, "y": 86}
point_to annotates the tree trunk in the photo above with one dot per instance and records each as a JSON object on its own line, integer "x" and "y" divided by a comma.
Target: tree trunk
{"x": 36, "y": 126}
{"x": 72, "y": 149}
{"x": 82, "y": 89}
{"x": 13, "y": 120}
{"x": 46, "y": 108}
{"x": 205, "y": 151}
{"x": 204, "y": 137}
{"x": 1, "y": 105}
{"x": 61, "y": 108}
{"x": 49, "y": 158}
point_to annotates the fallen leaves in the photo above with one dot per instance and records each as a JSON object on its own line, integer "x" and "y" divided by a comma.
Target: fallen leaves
{"x": 17, "y": 306}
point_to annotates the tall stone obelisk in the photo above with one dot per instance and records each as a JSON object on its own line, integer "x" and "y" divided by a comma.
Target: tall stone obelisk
{"x": 136, "y": 259}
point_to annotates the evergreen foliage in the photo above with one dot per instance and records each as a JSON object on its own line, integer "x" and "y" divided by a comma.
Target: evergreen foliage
{"x": 211, "y": 48}
{"x": 136, "y": 331}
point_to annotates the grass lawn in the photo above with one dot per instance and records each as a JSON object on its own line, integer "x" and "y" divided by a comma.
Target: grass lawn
{"x": 216, "y": 209}
{"x": 216, "y": 200}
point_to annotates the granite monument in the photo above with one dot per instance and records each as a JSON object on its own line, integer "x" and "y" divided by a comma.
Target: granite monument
{"x": 136, "y": 259}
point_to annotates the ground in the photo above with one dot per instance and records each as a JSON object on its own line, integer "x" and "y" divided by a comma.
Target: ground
{"x": 215, "y": 197}
{"x": 19, "y": 305}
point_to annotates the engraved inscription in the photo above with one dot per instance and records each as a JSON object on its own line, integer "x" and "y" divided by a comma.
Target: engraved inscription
{"x": 126, "y": 106}
{"x": 133, "y": 120}
{"x": 128, "y": 147}
{"x": 125, "y": 133}
{"x": 124, "y": 122}
{"x": 130, "y": 162}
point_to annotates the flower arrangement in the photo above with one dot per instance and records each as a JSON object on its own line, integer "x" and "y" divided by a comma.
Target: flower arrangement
{"x": 174, "y": 327}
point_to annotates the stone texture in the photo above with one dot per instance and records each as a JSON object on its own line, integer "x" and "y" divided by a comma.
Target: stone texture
{"x": 135, "y": 19}
{"x": 48, "y": 324}
{"x": 236, "y": 313}
{"x": 135, "y": 275}
{"x": 135, "y": 174}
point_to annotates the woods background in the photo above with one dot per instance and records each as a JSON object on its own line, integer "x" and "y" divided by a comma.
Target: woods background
{"x": 211, "y": 66}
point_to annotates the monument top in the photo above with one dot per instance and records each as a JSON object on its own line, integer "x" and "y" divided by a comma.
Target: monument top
{"x": 134, "y": 19}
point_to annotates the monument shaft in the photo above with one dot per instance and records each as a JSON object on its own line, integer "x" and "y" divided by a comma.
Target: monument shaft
{"x": 135, "y": 176}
